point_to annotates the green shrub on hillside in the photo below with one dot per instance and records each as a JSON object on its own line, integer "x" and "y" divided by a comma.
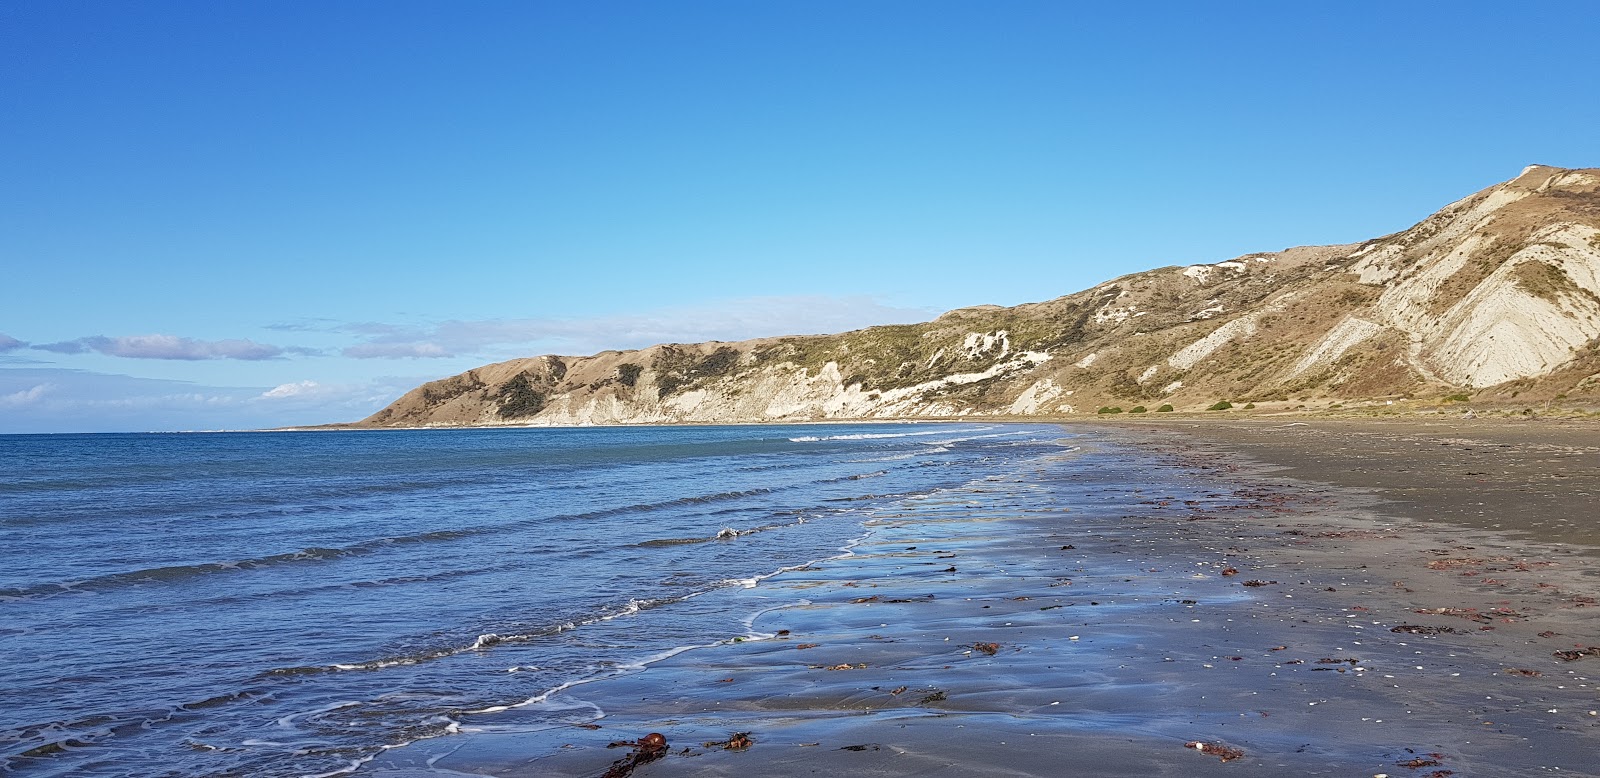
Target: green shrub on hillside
{"x": 1110, "y": 409}
{"x": 1221, "y": 405}
{"x": 1138, "y": 409}
{"x": 518, "y": 398}
{"x": 1165, "y": 409}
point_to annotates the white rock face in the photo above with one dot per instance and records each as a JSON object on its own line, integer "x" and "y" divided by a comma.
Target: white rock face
{"x": 1404, "y": 304}
{"x": 1500, "y": 332}
{"x": 1450, "y": 227}
{"x": 978, "y": 344}
{"x": 1034, "y": 399}
{"x": 795, "y": 394}
{"x": 1346, "y": 334}
{"x": 1190, "y": 355}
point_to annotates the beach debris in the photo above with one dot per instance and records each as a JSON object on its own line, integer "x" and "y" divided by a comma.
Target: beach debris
{"x": 1456, "y": 563}
{"x": 937, "y": 695}
{"x": 804, "y": 646}
{"x": 1522, "y": 672}
{"x": 898, "y": 690}
{"x": 724, "y": 680}
{"x": 847, "y": 666}
{"x": 1471, "y": 614}
{"x": 1069, "y": 547}
{"x": 1224, "y": 752}
{"x": 1574, "y": 654}
{"x": 896, "y": 600}
{"x": 1419, "y": 763}
{"x": 783, "y": 633}
{"x": 988, "y": 648}
{"x": 645, "y": 750}
{"x": 949, "y": 569}
{"x": 862, "y": 747}
{"x": 737, "y": 741}
{"x": 1257, "y": 582}
{"x": 1230, "y": 571}
{"x": 1423, "y": 629}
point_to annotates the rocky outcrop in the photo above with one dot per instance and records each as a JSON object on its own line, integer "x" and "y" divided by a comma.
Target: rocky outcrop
{"x": 1497, "y": 294}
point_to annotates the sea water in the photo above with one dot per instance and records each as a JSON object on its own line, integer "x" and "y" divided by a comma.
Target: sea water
{"x": 293, "y": 603}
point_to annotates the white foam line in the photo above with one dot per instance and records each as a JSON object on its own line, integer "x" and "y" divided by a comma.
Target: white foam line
{"x": 893, "y": 458}
{"x": 974, "y": 437}
{"x": 874, "y": 435}
{"x": 287, "y": 721}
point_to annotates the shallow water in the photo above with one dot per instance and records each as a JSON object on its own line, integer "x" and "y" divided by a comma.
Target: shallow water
{"x": 291, "y": 603}
{"x": 1104, "y": 609}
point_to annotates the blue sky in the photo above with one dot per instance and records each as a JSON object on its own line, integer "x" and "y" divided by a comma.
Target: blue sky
{"x": 230, "y": 215}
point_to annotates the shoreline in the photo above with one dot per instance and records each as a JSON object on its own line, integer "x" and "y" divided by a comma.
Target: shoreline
{"x": 1361, "y": 414}
{"x": 1347, "y": 641}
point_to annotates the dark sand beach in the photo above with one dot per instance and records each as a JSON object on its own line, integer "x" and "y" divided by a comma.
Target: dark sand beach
{"x": 1260, "y": 598}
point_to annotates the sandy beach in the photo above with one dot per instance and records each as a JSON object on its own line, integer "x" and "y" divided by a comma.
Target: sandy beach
{"x": 1261, "y": 598}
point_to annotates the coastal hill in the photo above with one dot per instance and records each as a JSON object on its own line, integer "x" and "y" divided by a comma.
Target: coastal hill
{"x": 1496, "y": 296}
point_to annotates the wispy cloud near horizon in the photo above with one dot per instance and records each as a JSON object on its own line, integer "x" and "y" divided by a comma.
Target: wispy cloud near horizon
{"x": 66, "y": 400}
{"x": 168, "y": 347}
{"x": 726, "y": 320}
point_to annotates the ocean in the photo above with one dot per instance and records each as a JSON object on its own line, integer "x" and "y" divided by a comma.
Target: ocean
{"x": 293, "y": 604}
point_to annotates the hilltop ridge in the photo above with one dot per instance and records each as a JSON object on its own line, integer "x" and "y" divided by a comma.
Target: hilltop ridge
{"x": 1496, "y": 294}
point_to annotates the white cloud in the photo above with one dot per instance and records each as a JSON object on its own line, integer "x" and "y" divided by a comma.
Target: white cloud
{"x": 298, "y": 389}
{"x": 397, "y": 350}
{"x": 23, "y": 397}
{"x": 166, "y": 347}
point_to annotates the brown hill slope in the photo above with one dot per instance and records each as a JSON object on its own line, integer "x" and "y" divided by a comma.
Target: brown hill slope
{"x": 1499, "y": 291}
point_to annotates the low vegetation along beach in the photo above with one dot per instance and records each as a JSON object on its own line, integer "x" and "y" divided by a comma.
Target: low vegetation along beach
{"x": 1258, "y": 598}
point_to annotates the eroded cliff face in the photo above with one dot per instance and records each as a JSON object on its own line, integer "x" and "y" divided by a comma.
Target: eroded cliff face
{"x": 1499, "y": 292}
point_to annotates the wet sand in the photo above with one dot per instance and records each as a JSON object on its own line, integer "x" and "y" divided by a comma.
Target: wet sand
{"x": 1538, "y": 479}
{"x": 1278, "y": 590}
